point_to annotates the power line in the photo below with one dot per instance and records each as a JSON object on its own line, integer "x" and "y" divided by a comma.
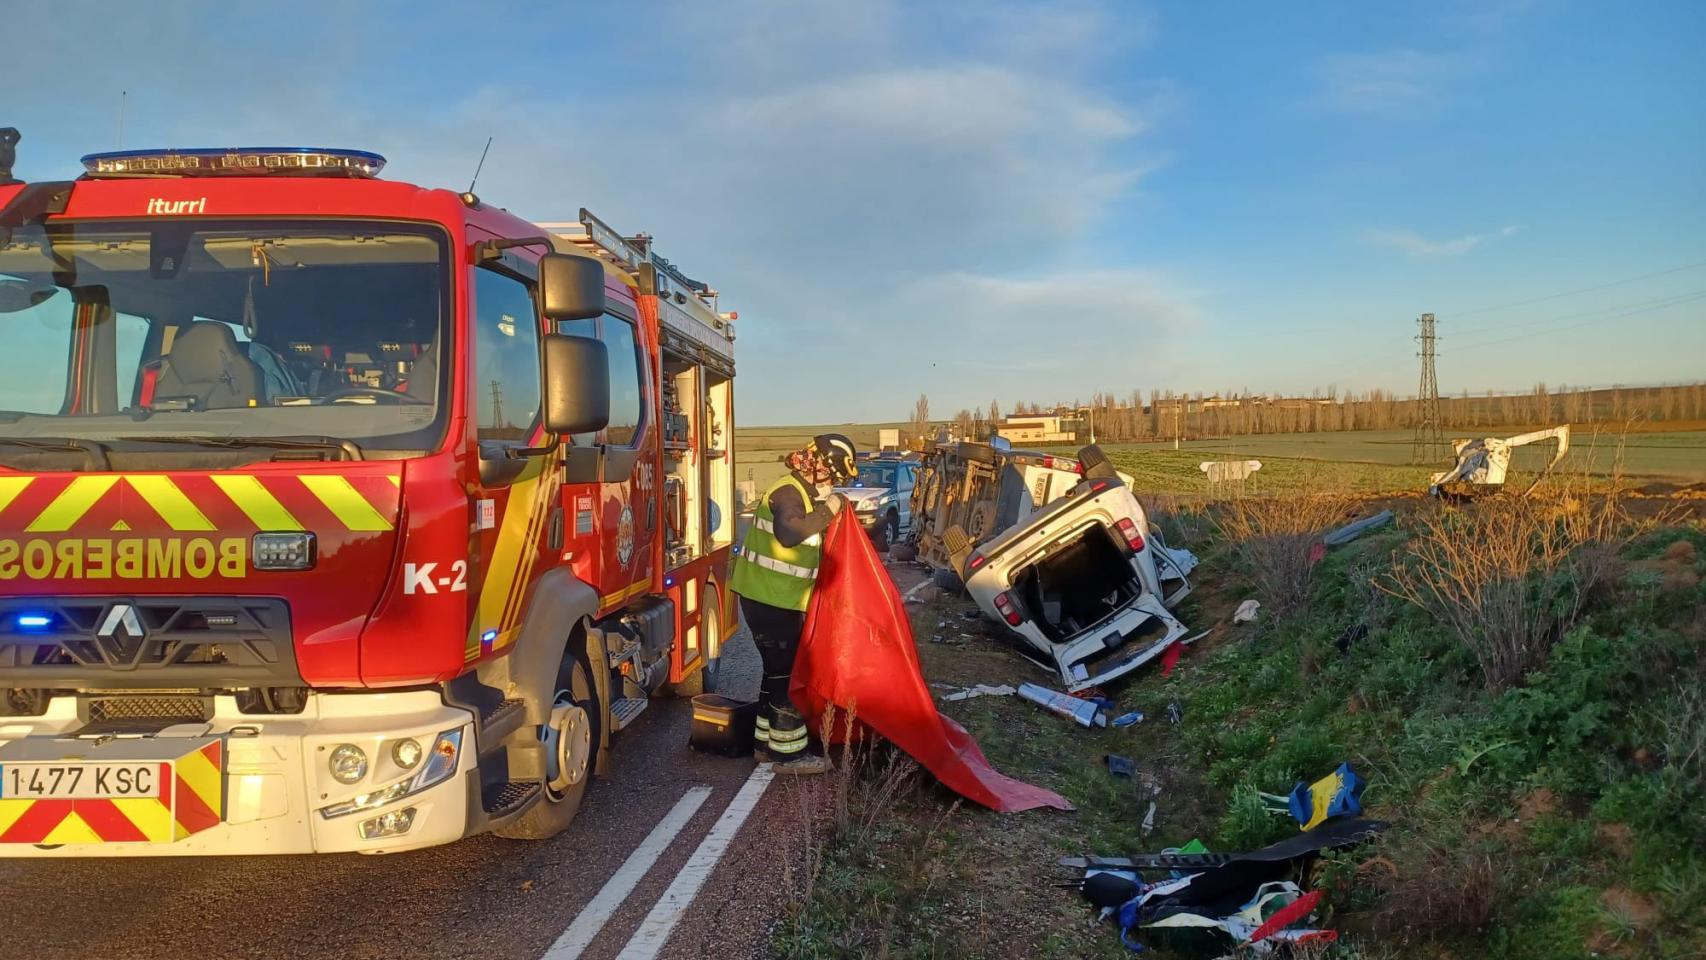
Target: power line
{"x": 1674, "y": 302}
{"x": 1594, "y": 312}
{"x": 1460, "y": 314}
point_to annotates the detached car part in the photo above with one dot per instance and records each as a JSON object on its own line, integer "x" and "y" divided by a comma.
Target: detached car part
{"x": 1483, "y": 463}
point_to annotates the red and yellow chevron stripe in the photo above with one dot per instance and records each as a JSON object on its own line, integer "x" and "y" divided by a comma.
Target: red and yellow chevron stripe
{"x": 182, "y": 503}
{"x": 194, "y": 802}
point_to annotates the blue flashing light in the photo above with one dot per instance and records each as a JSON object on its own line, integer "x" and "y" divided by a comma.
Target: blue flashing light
{"x": 669, "y": 581}
{"x": 488, "y": 637}
{"x": 236, "y": 161}
{"x": 33, "y": 621}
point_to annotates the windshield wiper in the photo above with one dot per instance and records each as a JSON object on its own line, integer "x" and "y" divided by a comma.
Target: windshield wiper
{"x": 94, "y": 452}
{"x": 347, "y": 447}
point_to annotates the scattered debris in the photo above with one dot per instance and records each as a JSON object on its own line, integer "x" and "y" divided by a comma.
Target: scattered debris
{"x": 1170, "y": 658}
{"x": 1483, "y": 463}
{"x": 981, "y": 690}
{"x": 1338, "y": 794}
{"x": 1248, "y": 897}
{"x": 1119, "y": 766}
{"x": 1246, "y": 611}
{"x": 1148, "y": 825}
{"x": 1085, "y": 713}
{"x": 1148, "y": 785}
{"x": 924, "y": 591}
{"x": 1175, "y": 713}
{"x": 1357, "y": 528}
{"x": 1129, "y": 719}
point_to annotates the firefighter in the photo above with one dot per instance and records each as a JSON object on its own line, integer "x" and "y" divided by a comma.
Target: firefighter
{"x": 774, "y": 574}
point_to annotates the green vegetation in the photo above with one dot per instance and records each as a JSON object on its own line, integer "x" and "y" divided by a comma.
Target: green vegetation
{"x": 1363, "y": 461}
{"x": 1562, "y": 815}
{"x": 1678, "y": 455}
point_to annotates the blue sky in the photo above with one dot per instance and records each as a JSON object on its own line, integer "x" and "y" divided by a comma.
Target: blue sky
{"x": 1014, "y": 202}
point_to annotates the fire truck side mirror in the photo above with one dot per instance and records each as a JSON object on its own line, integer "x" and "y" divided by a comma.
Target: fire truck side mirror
{"x": 570, "y": 287}
{"x": 577, "y": 383}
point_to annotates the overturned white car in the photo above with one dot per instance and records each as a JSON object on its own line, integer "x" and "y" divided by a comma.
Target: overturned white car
{"x": 1086, "y": 581}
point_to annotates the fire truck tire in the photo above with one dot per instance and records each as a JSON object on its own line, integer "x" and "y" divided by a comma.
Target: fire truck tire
{"x": 571, "y": 738}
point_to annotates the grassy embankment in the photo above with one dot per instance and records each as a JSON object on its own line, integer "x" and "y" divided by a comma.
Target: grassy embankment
{"x": 1358, "y": 461}
{"x": 1548, "y": 807}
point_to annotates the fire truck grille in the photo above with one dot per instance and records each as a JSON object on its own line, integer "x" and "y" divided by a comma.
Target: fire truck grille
{"x": 147, "y": 643}
{"x": 166, "y": 710}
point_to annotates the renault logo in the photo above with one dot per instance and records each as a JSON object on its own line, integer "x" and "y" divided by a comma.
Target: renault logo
{"x": 120, "y": 637}
{"x": 123, "y": 617}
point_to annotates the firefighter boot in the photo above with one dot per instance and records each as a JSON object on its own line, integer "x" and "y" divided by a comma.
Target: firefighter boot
{"x": 789, "y": 751}
{"x": 761, "y": 739}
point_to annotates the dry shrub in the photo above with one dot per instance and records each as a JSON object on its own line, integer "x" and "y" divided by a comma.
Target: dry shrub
{"x": 1508, "y": 575}
{"x": 1436, "y": 890}
{"x": 1278, "y": 538}
{"x": 1182, "y": 521}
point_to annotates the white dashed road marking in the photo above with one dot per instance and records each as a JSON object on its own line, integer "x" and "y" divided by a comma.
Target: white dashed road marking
{"x": 621, "y": 883}
{"x": 655, "y": 929}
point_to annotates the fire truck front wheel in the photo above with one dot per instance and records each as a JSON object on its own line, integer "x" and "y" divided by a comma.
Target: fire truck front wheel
{"x": 570, "y": 739}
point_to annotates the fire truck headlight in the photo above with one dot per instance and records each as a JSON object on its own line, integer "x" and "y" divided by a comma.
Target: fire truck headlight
{"x": 407, "y": 753}
{"x": 292, "y": 550}
{"x": 348, "y": 763}
{"x": 440, "y": 765}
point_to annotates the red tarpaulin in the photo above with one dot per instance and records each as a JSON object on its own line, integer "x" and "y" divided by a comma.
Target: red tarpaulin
{"x": 857, "y": 653}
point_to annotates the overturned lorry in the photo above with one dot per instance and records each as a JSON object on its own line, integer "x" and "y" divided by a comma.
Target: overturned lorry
{"x": 1063, "y": 555}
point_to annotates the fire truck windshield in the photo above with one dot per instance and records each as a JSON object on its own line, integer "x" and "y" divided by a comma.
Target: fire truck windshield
{"x": 113, "y": 331}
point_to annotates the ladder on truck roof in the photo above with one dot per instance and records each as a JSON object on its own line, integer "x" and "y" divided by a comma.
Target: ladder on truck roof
{"x": 687, "y": 309}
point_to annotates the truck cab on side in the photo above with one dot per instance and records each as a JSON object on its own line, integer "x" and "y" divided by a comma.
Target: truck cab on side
{"x": 332, "y": 509}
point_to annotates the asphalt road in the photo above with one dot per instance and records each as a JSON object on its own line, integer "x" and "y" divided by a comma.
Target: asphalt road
{"x": 482, "y": 897}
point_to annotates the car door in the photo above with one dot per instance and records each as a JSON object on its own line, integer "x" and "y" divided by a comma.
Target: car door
{"x": 905, "y": 478}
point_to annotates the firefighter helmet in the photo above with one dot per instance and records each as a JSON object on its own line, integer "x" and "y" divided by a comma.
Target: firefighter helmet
{"x": 837, "y": 451}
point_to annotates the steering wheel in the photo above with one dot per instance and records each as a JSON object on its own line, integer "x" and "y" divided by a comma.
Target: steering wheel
{"x": 382, "y": 396}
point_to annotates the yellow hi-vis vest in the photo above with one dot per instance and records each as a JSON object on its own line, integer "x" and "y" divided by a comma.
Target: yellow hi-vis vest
{"x": 768, "y": 572}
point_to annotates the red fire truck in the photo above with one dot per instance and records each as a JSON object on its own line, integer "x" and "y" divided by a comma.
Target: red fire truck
{"x": 338, "y": 514}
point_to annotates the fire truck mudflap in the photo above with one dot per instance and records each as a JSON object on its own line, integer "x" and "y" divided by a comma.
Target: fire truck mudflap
{"x": 242, "y": 784}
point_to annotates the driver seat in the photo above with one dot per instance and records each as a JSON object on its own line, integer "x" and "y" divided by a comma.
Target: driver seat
{"x": 208, "y": 366}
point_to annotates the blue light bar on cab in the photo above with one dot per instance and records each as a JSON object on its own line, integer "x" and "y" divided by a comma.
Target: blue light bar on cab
{"x": 236, "y": 161}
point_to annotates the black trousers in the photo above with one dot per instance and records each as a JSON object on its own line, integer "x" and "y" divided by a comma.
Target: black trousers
{"x": 776, "y": 633}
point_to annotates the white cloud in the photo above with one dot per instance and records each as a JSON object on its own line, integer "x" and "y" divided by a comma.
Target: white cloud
{"x": 1045, "y": 336}
{"x": 1384, "y": 81}
{"x": 1414, "y": 244}
{"x": 825, "y": 164}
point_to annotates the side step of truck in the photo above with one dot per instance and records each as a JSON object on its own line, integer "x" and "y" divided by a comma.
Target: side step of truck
{"x": 624, "y": 711}
{"x": 500, "y": 720}
{"x": 504, "y": 801}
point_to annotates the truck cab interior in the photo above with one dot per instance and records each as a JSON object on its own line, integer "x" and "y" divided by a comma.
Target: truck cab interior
{"x": 323, "y": 329}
